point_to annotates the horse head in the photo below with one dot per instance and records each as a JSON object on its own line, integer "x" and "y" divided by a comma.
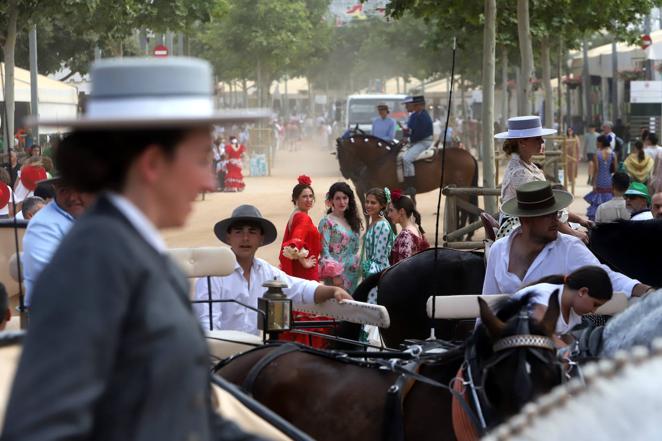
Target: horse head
{"x": 356, "y": 151}
{"x": 515, "y": 357}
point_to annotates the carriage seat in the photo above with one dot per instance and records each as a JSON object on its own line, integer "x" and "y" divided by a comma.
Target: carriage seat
{"x": 223, "y": 344}
{"x": 204, "y": 261}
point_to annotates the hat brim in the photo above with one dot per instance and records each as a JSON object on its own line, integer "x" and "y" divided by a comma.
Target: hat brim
{"x": 54, "y": 180}
{"x": 89, "y": 123}
{"x": 562, "y": 199}
{"x": 540, "y": 132}
{"x": 268, "y": 228}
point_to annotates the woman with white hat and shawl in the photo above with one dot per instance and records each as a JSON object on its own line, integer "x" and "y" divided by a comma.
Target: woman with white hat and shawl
{"x": 114, "y": 351}
{"x": 524, "y": 139}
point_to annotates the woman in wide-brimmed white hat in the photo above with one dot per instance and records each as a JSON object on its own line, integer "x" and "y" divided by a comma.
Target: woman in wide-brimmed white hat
{"x": 522, "y": 141}
{"x": 114, "y": 351}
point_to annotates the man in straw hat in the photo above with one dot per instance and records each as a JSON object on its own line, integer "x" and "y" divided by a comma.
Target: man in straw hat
{"x": 420, "y": 130}
{"x": 383, "y": 126}
{"x": 537, "y": 249}
{"x": 114, "y": 350}
{"x": 245, "y": 231}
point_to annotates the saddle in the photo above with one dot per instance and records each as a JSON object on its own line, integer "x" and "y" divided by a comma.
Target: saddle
{"x": 426, "y": 155}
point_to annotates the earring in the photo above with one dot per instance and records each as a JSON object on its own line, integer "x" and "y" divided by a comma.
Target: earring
{"x": 381, "y": 213}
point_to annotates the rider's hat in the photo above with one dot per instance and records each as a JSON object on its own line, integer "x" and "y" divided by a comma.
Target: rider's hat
{"x": 536, "y": 198}
{"x": 150, "y": 92}
{"x": 524, "y": 127}
{"x": 383, "y": 106}
{"x": 418, "y": 99}
{"x": 408, "y": 99}
{"x": 246, "y": 213}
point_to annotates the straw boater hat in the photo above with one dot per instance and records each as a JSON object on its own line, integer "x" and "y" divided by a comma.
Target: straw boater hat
{"x": 384, "y": 106}
{"x": 246, "y": 213}
{"x": 536, "y": 199}
{"x": 524, "y": 127}
{"x": 142, "y": 93}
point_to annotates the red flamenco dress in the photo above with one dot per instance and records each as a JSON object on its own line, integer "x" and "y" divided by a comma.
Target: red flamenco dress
{"x": 234, "y": 178}
{"x": 302, "y": 239}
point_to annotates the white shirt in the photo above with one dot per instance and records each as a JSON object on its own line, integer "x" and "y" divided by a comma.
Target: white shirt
{"x": 561, "y": 256}
{"x": 642, "y": 216}
{"x": 232, "y": 316}
{"x": 653, "y": 151}
{"x": 139, "y": 221}
{"x": 540, "y": 295}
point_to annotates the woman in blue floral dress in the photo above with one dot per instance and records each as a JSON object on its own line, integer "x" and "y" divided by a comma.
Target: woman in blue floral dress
{"x": 604, "y": 165}
{"x": 378, "y": 238}
{"x": 340, "y": 229}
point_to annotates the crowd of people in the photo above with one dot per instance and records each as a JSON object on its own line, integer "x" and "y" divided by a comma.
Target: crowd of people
{"x": 624, "y": 187}
{"x": 337, "y": 251}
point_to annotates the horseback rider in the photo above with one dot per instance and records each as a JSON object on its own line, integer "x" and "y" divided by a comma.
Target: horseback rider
{"x": 420, "y": 131}
{"x": 383, "y": 126}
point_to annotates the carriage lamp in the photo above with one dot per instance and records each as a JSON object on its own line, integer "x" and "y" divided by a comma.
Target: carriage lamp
{"x": 275, "y": 308}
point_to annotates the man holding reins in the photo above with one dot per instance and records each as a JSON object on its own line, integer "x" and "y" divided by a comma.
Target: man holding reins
{"x": 420, "y": 131}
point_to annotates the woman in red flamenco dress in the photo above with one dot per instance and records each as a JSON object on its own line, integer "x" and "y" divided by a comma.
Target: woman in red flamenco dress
{"x": 299, "y": 256}
{"x": 234, "y": 178}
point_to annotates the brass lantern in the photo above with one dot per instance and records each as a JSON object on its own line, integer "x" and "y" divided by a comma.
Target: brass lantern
{"x": 275, "y": 308}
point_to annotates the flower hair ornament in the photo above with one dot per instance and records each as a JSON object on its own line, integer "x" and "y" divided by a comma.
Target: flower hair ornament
{"x": 387, "y": 193}
{"x": 304, "y": 180}
{"x": 396, "y": 194}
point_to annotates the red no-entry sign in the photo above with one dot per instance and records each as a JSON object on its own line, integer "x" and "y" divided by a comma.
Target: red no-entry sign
{"x": 646, "y": 41}
{"x": 160, "y": 51}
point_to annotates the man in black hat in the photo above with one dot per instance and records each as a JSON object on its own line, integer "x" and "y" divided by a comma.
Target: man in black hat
{"x": 246, "y": 231}
{"x": 420, "y": 139}
{"x": 537, "y": 249}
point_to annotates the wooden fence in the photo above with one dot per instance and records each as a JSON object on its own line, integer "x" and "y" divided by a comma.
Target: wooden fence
{"x": 454, "y": 202}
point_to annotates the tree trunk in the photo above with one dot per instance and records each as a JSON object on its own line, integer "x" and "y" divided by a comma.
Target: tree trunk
{"x": 526, "y": 55}
{"x": 504, "y": 86}
{"x": 489, "y": 43}
{"x": 586, "y": 85}
{"x": 258, "y": 82}
{"x": 559, "y": 93}
{"x": 244, "y": 86}
{"x": 547, "y": 82}
{"x": 614, "y": 81}
{"x": 463, "y": 107}
{"x": 8, "y": 49}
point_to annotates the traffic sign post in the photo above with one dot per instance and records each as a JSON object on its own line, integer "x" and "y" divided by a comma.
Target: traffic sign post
{"x": 160, "y": 50}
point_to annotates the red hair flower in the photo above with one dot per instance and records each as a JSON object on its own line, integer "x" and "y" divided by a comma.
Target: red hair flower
{"x": 4, "y": 194}
{"x": 396, "y": 194}
{"x": 31, "y": 174}
{"x": 304, "y": 180}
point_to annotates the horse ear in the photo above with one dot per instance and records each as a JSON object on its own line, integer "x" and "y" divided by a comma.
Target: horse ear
{"x": 492, "y": 323}
{"x": 551, "y": 316}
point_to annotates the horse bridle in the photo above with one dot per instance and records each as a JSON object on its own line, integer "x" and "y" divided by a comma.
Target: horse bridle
{"x": 505, "y": 347}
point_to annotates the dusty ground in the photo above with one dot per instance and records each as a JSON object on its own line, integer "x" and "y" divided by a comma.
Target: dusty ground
{"x": 272, "y": 196}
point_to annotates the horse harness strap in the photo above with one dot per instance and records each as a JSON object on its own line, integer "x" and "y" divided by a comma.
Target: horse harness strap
{"x": 394, "y": 427}
{"x": 249, "y": 381}
{"x": 465, "y": 423}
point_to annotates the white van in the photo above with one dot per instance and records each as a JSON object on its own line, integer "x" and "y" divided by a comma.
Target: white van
{"x": 361, "y": 109}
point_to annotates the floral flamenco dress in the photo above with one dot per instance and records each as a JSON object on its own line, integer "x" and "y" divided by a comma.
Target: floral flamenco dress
{"x": 234, "y": 178}
{"x": 406, "y": 245}
{"x": 339, "y": 262}
{"x": 302, "y": 239}
{"x": 602, "y": 191}
{"x": 377, "y": 244}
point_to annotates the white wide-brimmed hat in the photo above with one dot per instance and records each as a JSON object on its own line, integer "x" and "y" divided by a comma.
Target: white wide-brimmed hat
{"x": 140, "y": 93}
{"x": 524, "y": 127}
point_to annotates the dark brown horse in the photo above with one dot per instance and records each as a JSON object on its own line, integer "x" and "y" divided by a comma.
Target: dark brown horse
{"x": 370, "y": 162}
{"x": 331, "y": 397}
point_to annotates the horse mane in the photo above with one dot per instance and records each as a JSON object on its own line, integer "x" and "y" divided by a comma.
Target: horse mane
{"x": 639, "y": 324}
{"x": 619, "y": 400}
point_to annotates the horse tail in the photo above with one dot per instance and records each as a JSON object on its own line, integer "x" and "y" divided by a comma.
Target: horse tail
{"x": 361, "y": 292}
